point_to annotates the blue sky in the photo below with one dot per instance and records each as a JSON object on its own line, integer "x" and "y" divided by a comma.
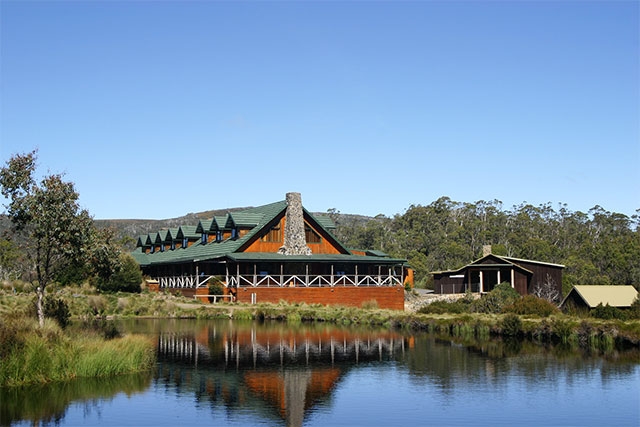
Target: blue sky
{"x": 155, "y": 109}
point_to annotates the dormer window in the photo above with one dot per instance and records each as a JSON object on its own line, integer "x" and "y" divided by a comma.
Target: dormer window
{"x": 185, "y": 242}
{"x": 219, "y": 236}
{"x": 204, "y": 238}
{"x": 234, "y": 233}
{"x": 173, "y": 245}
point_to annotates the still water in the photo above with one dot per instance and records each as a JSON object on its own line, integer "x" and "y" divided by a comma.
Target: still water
{"x": 271, "y": 374}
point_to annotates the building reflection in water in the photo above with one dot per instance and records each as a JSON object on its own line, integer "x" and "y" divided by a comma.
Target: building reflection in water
{"x": 274, "y": 369}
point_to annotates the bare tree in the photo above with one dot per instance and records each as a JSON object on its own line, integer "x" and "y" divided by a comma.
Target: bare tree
{"x": 548, "y": 290}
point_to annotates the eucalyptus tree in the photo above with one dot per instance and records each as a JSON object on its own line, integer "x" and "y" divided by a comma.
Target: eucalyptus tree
{"x": 51, "y": 228}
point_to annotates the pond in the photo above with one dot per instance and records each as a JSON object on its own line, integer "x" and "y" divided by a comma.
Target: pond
{"x": 248, "y": 373}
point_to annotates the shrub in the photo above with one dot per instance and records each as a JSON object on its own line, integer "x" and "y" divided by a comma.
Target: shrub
{"x": 407, "y": 286}
{"x": 608, "y": 312}
{"x": 441, "y": 306}
{"x": 531, "y": 305}
{"x": 126, "y": 278}
{"x": 511, "y": 325}
{"x": 634, "y": 311}
{"x": 562, "y": 330}
{"x": 500, "y": 296}
{"x": 215, "y": 286}
{"x": 97, "y": 304}
{"x": 102, "y": 327}
{"x": 370, "y": 305}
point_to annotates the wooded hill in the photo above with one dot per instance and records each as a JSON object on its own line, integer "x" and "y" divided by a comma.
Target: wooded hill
{"x": 597, "y": 247}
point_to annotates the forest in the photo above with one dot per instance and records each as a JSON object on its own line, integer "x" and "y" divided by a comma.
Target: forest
{"x": 597, "y": 247}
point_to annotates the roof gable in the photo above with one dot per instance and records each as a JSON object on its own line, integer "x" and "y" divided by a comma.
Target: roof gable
{"x": 162, "y": 236}
{"x": 187, "y": 231}
{"x": 489, "y": 260}
{"x": 327, "y": 234}
{"x": 204, "y": 225}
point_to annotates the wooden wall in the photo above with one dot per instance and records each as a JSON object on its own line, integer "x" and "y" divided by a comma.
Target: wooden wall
{"x": 521, "y": 282}
{"x": 540, "y": 272}
{"x": 323, "y": 247}
{"x": 444, "y": 284}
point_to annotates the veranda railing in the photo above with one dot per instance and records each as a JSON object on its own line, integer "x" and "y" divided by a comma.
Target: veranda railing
{"x": 284, "y": 280}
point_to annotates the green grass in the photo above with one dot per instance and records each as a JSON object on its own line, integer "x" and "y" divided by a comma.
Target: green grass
{"x": 34, "y": 355}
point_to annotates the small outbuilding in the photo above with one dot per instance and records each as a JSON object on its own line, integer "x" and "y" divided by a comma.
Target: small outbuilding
{"x": 590, "y": 296}
{"x": 485, "y": 273}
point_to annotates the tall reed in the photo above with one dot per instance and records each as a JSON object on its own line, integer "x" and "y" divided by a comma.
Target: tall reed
{"x": 33, "y": 355}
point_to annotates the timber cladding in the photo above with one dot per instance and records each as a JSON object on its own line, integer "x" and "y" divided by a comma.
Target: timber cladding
{"x": 391, "y": 298}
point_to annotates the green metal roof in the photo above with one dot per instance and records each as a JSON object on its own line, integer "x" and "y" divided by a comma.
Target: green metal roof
{"x": 172, "y": 234}
{"x": 246, "y": 219}
{"x": 325, "y": 221}
{"x": 140, "y": 257}
{"x": 188, "y": 231}
{"x": 204, "y": 225}
{"x": 257, "y": 218}
{"x": 142, "y": 241}
{"x": 221, "y": 221}
{"x": 213, "y": 250}
{"x": 161, "y": 237}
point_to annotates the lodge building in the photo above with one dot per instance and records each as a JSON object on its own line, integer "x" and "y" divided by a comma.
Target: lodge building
{"x": 270, "y": 253}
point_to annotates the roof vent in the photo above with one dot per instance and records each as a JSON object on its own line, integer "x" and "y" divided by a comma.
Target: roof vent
{"x": 295, "y": 242}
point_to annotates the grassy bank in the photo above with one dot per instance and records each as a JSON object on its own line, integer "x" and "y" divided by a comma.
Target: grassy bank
{"x": 34, "y": 355}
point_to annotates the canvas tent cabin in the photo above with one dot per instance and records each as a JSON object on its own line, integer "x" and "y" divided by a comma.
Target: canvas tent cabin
{"x": 485, "y": 273}
{"x": 587, "y": 297}
{"x": 274, "y": 252}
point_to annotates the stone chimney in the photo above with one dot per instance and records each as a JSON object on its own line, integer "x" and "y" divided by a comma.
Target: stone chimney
{"x": 486, "y": 250}
{"x": 295, "y": 242}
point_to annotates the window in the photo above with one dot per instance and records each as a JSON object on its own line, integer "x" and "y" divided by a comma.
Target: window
{"x": 173, "y": 244}
{"x": 219, "y": 236}
{"x": 204, "y": 238}
{"x": 234, "y": 233}
{"x": 311, "y": 235}
{"x": 185, "y": 242}
{"x": 273, "y": 235}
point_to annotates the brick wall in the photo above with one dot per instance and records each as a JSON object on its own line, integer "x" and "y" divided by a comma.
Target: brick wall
{"x": 191, "y": 292}
{"x": 386, "y": 297}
